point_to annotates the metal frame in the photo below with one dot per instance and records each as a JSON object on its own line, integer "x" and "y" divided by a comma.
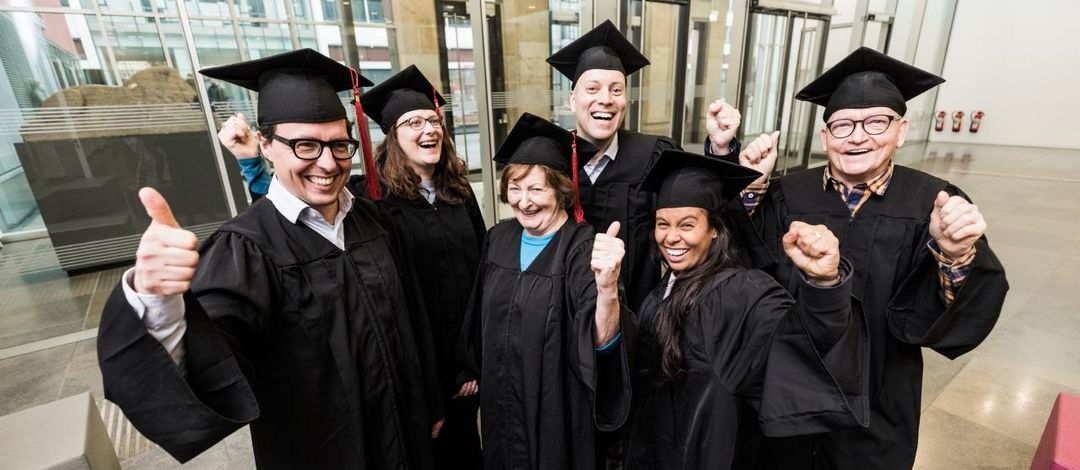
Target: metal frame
{"x": 478, "y": 17}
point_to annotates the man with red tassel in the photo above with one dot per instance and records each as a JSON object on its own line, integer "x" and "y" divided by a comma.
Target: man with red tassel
{"x": 300, "y": 316}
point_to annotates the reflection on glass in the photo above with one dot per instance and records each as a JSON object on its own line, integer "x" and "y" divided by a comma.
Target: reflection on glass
{"x": 660, "y": 46}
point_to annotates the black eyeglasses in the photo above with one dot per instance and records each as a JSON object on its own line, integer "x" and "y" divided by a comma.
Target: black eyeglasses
{"x": 311, "y": 149}
{"x": 416, "y": 123}
{"x": 872, "y": 125}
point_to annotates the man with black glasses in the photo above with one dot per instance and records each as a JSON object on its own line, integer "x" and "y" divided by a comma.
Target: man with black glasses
{"x": 300, "y": 316}
{"x": 923, "y": 270}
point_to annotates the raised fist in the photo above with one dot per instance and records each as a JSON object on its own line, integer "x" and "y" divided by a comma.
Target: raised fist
{"x": 760, "y": 155}
{"x": 721, "y": 122}
{"x": 236, "y": 136}
{"x": 815, "y": 251}
{"x": 955, "y": 224}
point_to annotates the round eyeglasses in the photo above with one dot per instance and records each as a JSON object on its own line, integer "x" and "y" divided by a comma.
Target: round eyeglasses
{"x": 311, "y": 149}
{"x": 872, "y": 125}
{"x": 416, "y": 123}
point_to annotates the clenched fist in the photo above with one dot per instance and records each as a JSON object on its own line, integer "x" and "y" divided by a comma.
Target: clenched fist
{"x": 166, "y": 259}
{"x": 236, "y": 136}
{"x": 815, "y": 251}
{"x": 955, "y": 224}
{"x": 721, "y": 122}
{"x": 761, "y": 154}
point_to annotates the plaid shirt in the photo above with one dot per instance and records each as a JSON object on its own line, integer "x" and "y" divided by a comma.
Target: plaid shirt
{"x": 951, "y": 273}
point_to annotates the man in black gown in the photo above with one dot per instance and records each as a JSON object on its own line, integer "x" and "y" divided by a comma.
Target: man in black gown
{"x": 300, "y": 316}
{"x": 923, "y": 270}
{"x": 614, "y": 160}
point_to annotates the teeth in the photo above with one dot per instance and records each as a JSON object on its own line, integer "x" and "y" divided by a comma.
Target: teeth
{"x": 321, "y": 180}
{"x": 604, "y": 116}
{"x": 677, "y": 253}
{"x": 857, "y": 151}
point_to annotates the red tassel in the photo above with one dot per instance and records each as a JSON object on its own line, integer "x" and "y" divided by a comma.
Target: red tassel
{"x": 435, "y": 99}
{"x": 365, "y": 140}
{"x": 579, "y": 213}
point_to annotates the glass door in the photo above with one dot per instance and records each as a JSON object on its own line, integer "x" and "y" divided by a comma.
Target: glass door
{"x": 784, "y": 52}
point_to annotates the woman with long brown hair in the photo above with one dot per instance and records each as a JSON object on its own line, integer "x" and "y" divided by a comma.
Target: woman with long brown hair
{"x": 425, "y": 191}
{"x": 722, "y": 347}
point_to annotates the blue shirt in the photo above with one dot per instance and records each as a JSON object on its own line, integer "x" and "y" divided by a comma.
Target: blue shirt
{"x": 531, "y": 247}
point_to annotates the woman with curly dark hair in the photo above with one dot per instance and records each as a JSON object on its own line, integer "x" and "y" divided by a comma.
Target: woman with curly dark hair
{"x": 425, "y": 191}
{"x": 724, "y": 352}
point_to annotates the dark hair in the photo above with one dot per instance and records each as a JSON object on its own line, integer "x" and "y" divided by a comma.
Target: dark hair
{"x": 450, "y": 176}
{"x": 268, "y": 131}
{"x": 564, "y": 188}
{"x": 684, "y": 295}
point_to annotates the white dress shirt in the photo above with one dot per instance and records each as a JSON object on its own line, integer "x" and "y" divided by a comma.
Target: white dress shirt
{"x": 596, "y": 164}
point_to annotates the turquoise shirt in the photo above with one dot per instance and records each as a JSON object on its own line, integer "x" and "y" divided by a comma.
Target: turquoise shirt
{"x": 531, "y": 247}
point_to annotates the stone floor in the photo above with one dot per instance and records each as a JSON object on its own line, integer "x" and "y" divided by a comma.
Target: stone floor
{"x": 984, "y": 410}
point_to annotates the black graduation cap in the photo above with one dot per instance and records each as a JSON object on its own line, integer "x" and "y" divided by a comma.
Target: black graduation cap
{"x": 297, "y": 86}
{"x": 537, "y": 141}
{"x": 684, "y": 179}
{"x": 865, "y": 79}
{"x": 602, "y": 48}
{"x": 408, "y": 90}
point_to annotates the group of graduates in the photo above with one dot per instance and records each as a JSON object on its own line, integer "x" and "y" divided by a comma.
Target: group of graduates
{"x": 646, "y": 306}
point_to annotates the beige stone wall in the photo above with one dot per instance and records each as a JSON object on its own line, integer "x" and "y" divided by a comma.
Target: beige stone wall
{"x": 417, "y": 36}
{"x": 658, "y": 79}
{"x": 526, "y": 41}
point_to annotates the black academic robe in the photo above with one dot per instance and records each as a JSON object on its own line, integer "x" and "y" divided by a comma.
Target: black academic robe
{"x": 443, "y": 242}
{"x": 748, "y": 347}
{"x": 326, "y": 353}
{"x": 896, "y": 278}
{"x": 543, "y": 387}
{"x": 615, "y": 196}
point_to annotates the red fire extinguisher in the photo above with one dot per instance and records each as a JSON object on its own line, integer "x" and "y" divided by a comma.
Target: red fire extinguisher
{"x": 957, "y": 121}
{"x": 976, "y": 120}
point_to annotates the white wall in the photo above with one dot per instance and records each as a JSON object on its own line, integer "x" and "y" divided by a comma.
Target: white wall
{"x": 1019, "y": 62}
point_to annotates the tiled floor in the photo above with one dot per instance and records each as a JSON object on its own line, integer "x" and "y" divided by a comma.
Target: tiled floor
{"x": 984, "y": 410}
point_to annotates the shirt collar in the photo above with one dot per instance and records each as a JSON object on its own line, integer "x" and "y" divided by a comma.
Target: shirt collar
{"x": 291, "y": 207}
{"x": 610, "y": 152}
{"x": 876, "y": 185}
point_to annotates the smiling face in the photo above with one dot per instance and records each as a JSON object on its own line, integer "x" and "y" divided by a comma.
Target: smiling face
{"x": 316, "y": 182}
{"x": 598, "y": 101}
{"x": 860, "y": 157}
{"x": 684, "y": 236}
{"x": 534, "y": 201}
{"x": 423, "y": 147}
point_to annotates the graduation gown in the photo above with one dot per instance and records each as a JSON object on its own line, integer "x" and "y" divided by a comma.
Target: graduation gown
{"x": 896, "y": 279}
{"x": 615, "y": 196}
{"x": 326, "y": 353}
{"x": 543, "y": 387}
{"x": 748, "y": 346}
{"x": 443, "y": 242}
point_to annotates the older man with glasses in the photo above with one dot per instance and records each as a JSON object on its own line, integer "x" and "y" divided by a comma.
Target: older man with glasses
{"x": 923, "y": 271}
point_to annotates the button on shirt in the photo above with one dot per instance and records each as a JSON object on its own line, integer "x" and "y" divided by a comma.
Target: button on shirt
{"x": 163, "y": 315}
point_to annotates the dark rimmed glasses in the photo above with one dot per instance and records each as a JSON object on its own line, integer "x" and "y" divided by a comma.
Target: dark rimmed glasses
{"x": 311, "y": 149}
{"x": 873, "y": 125}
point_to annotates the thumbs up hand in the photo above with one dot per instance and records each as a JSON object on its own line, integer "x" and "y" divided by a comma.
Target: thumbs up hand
{"x": 166, "y": 259}
{"x": 955, "y": 224}
{"x": 607, "y": 256}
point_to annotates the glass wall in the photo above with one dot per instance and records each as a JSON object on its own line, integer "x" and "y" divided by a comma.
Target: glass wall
{"x": 99, "y": 98}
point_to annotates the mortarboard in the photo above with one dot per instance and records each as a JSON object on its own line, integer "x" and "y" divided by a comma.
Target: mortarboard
{"x": 297, "y": 86}
{"x": 865, "y": 79}
{"x": 684, "y": 179}
{"x": 408, "y": 90}
{"x": 604, "y": 47}
{"x": 537, "y": 141}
